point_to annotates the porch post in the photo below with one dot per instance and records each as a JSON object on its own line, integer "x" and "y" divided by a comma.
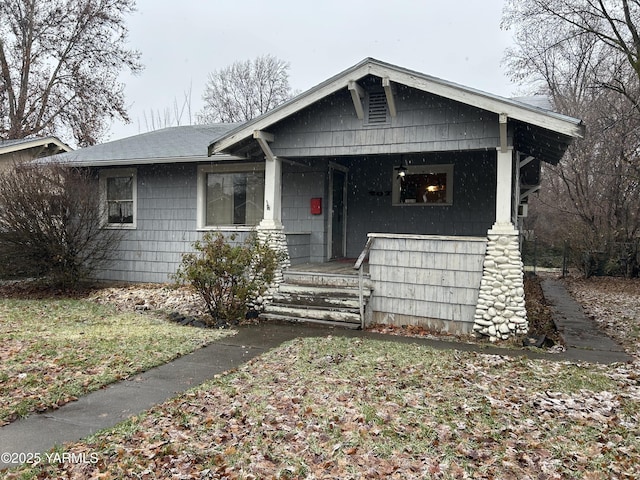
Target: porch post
{"x": 272, "y": 217}
{"x": 500, "y": 310}
{"x": 504, "y": 194}
{"x": 270, "y": 230}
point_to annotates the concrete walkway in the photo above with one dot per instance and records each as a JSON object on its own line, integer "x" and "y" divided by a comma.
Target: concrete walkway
{"x": 104, "y": 408}
{"x": 584, "y": 340}
{"x": 119, "y": 401}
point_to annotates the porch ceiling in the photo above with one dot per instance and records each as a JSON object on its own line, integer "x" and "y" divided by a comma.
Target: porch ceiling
{"x": 546, "y": 145}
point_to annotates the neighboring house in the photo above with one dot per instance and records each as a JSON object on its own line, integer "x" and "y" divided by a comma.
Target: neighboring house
{"x": 26, "y": 149}
{"x": 429, "y": 175}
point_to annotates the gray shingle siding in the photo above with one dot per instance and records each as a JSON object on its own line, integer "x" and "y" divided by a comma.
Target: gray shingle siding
{"x": 167, "y": 211}
{"x": 166, "y": 225}
{"x": 167, "y": 221}
{"x": 299, "y": 185}
{"x": 425, "y": 281}
{"x": 424, "y": 123}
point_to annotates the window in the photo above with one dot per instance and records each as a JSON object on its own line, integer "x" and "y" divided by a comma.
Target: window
{"x": 424, "y": 185}
{"x": 118, "y": 190}
{"x": 230, "y": 195}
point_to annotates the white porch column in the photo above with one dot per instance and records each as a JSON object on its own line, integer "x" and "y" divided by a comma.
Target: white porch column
{"x": 270, "y": 230}
{"x": 500, "y": 310}
{"x": 504, "y": 194}
{"x": 272, "y": 217}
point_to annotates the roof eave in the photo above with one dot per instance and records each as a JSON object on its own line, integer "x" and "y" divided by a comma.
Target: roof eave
{"x": 294, "y": 105}
{"x": 485, "y": 101}
{"x": 35, "y": 142}
{"x": 516, "y": 110}
{"x": 121, "y": 162}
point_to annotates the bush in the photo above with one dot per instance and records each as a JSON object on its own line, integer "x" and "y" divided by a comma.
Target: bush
{"x": 51, "y": 225}
{"x": 228, "y": 276}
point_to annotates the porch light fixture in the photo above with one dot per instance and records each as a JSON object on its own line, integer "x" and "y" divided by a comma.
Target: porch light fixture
{"x": 402, "y": 170}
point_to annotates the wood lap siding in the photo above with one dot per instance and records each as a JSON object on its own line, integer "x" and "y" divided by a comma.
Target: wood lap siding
{"x": 439, "y": 275}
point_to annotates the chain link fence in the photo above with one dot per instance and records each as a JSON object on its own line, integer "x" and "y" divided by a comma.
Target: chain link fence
{"x": 619, "y": 259}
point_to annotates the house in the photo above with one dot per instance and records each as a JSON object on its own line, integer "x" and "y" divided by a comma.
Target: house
{"x": 424, "y": 177}
{"x": 26, "y": 149}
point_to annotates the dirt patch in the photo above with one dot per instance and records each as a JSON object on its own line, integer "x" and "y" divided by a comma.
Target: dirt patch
{"x": 126, "y": 297}
{"x": 152, "y": 297}
{"x": 539, "y": 313}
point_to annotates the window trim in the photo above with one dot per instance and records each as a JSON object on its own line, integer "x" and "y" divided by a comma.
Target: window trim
{"x": 115, "y": 173}
{"x": 424, "y": 169}
{"x": 201, "y": 194}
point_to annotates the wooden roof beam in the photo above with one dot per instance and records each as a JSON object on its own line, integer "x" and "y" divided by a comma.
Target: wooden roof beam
{"x": 526, "y": 161}
{"x": 357, "y": 94}
{"x": 389, "y": 91}
{"x": 529, "y": 190}
{"x": 263, "y": 139}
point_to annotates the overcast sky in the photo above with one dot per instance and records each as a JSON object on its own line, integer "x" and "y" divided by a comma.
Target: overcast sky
{"x": 181, "y": 41}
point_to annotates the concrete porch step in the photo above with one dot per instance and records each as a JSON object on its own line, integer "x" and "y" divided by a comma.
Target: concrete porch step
{"x": 324, "y": 279}
{"x": 308, "y": 313}
{"x": 285, "y": 318}
{"x": 338, "y": 301}
{"x": 318, "y": 297}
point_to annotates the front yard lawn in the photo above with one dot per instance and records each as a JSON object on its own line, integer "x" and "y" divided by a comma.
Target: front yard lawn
{"x": 354, "y": 408}
{"x": 54, "y": 350}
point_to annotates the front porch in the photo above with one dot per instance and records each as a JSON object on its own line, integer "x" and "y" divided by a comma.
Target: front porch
{"x": 434, "y": 167}
{"x": 427, "y": 280}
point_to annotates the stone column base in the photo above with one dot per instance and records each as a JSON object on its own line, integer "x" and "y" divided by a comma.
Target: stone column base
{"x": 500, "y": 311}
{"x": 277, "y": 240}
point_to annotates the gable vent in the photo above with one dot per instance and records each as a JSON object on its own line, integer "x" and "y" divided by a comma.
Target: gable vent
{"x": 377, "y": 111}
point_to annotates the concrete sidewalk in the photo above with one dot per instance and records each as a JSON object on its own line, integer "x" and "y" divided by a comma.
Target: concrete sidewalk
{"x": 104, "y": 408}
{"x": 584, "y": 340}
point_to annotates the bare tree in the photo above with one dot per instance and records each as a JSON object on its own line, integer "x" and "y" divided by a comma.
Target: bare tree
{"x": 59, "y": 67}
{"x": 51, "y": 224}
{"x": 178, "y": 114}
{"x": 592, "y": 197}
{"x": 610, "y": 26}
{"x": 245, "y": 90}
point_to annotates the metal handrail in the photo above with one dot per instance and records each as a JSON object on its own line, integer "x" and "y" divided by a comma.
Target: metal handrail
{"x": 358, "y": 266}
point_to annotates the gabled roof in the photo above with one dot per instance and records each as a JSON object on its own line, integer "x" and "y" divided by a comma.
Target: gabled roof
{"x": 45, "y": 145}
{"x": 522, "y": 113}
{"x": 167, "y": 145}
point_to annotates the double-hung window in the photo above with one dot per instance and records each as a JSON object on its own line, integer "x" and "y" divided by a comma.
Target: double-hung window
{"x": 118, "y": 190}
{"x": 230, "y": 195}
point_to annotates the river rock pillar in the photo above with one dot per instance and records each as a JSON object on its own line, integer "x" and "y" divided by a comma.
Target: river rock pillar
{"x": 500, "y": 310}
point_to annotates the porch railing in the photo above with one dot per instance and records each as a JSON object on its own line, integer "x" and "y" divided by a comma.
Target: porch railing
{"x": 359, "y": 266}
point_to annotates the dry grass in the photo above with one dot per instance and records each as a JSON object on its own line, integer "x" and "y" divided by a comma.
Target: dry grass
{"x": 356, "y": 408}
{"x": 353, "y": 408}
{"x": 54, "y": 350}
